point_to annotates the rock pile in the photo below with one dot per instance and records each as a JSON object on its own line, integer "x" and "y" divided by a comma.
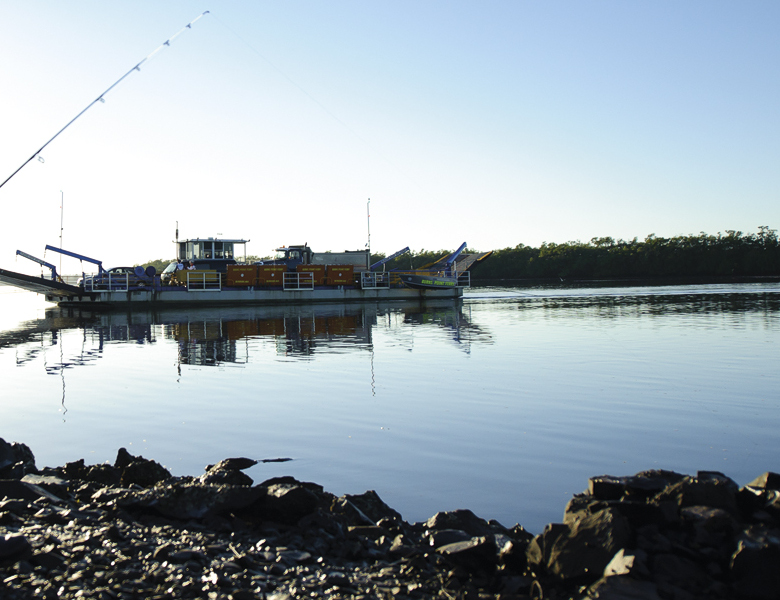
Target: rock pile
{"x": 131, "y": 530}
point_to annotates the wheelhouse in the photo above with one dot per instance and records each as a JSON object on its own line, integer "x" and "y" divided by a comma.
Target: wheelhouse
{"x": 211, "y": 249}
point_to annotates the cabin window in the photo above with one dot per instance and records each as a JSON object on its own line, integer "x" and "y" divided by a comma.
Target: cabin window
{"x": 218, "y": 251}
{"x": 228, "y": 249}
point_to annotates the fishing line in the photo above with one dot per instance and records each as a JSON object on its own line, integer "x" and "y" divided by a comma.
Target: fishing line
{"x": 101, "y": 98}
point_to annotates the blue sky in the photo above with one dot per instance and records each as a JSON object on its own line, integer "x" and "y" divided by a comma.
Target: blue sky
{"x": 496, "y": 123}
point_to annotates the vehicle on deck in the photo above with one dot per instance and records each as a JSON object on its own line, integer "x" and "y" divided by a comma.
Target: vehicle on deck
{"x": 114, "y": 277}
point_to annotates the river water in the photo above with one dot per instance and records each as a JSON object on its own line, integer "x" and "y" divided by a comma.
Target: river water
{"x": 504, "y": 402}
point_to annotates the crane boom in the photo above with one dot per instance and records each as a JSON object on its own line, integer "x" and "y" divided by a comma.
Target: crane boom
{"x": 40, "y": 262}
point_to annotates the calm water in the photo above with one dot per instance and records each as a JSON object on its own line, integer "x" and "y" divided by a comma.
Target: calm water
{"x": 504, "y": 402}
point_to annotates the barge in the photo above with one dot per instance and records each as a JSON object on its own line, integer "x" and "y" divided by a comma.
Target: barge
{"x": 207, "y": 272}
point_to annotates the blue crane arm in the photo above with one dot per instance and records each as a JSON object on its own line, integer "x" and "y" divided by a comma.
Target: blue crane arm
{"x": 79, "y": 256}
{"x": 40, "y": 262}
{"x": 388, "y": 258}
{"x": 454, "y": 256}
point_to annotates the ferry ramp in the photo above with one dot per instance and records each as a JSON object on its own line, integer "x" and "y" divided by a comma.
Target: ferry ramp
{"x": 38, "y": 284}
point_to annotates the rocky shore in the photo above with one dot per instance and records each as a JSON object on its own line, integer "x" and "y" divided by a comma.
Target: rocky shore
{"x": 132, "y": 530}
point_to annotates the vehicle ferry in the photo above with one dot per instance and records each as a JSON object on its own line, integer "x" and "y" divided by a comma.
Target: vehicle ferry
{"x": 208, "y": 272}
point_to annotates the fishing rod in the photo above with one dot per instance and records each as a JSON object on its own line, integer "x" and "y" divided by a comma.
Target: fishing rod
{"x": 101, "y": 97}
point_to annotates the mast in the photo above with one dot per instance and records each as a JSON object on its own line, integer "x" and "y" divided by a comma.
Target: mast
{"x": 62, "y": 220}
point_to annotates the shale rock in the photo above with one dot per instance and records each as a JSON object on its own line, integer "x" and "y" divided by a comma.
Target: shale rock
{"x": 16, "y": 460}
{"x": 138, "y": 470}
{"x": 229, "y": 471}
{"x": 131, "y": 530}
{"x": 581, "y": 549}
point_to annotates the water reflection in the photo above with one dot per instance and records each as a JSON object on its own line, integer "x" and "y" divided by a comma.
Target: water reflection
{"x": 616, "y": 303}
{"x": 230, "y": 336}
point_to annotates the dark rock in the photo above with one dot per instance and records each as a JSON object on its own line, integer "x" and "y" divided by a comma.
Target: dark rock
{"x": 606, "y": 487}
{"x": 371, "y": 505}
{"x": 144, "y": 472}
{"x": 103, "y": 474}
{"x": 285, "y": 503}
{"x": 442, "y": 537}
{"x": 642, "y": 485}
{"x": 229, "y": 471}
{"x": 539, "y": 549}
{"x": 751, "y": 499}
{"x": 232, "y": 464}
{"x": 350, "y": 513}
{"x": 50, "y": 483}
{"x": 364, "y": 509}
{"x": 185, "y": 556}
{"x": 48, "y": 560}
{"x": 368, "y": 531}
{"x": 511, "y": 556}
{"x": 123, "y": 458}
{"x": 623, "y": 588}
{"x": 20, "y": 490}
{"x": 231, "y": 477}
{"x": 402, "y": 546}
{"x": 701, "y": 492}
{"x": 767, "y": 481}
{"x": 628, "y": 563}
{"x": 477, "y": 554}
{"x": 7, "y": 457}
{"x": 755, "y": 565}
{"x": 16, "y": 460}
{"x": 582, "y": 550}
{"x": 640, "y": 514}
{"x": 18, "y": 507}
{"x": 14, "y": 547}
{"x": 579, "y": 506}
{"x": 75, "y": 469}
{"x": 647, "y": 484}
{"x": 460, "y": 519}
{"x": 719, "y": 477}
{"x": 671, "y": 571}
{"x": 520, "y": 535}
{"x": 192, "y": 501}
{"x": 712, "y": 527}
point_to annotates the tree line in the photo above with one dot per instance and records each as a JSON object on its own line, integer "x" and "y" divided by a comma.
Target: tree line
{"x": 733, "y": 254}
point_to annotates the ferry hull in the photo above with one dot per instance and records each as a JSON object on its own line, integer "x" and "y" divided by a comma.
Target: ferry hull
{"x": 172, "y": 296}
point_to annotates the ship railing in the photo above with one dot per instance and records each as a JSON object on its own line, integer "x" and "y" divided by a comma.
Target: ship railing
{"x": 464, "y": 279}
{"x": 374, "y": 281}
{"x": 294, "y": 281}
{"x": 107, "y": 282}
{"x": 203, "y": 281}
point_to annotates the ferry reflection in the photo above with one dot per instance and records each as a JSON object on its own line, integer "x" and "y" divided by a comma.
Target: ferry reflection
{"x": 230, "y": 336}
{"x": 297, "y": 334}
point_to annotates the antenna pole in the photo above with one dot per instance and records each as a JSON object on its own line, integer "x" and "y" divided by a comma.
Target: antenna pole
{"x": 101, "y": 99}
{"x": 62, "y": 220}
{"x": 368, "y": 224}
